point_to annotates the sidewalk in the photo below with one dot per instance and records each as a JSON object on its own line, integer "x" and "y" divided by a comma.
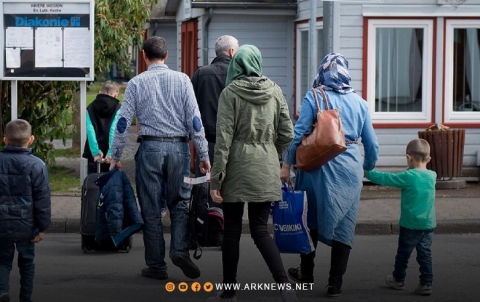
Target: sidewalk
{"x": 458, "y": 211}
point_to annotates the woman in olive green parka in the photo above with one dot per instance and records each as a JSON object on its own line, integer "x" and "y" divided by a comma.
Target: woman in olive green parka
{"x": 253, "y": 131}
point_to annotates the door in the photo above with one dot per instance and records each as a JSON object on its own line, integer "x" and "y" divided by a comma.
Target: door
{"x": 189, "y": 62}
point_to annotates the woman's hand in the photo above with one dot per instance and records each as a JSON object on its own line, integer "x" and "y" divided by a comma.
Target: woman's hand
{"x": 216, "y": 197}
{"x": 285, "y": 172}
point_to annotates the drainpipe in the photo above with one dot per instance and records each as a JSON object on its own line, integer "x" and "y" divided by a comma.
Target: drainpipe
{"x": 155, "y": 30}
{"x": 312, "y": 41}
{"x": 205, "y": 36}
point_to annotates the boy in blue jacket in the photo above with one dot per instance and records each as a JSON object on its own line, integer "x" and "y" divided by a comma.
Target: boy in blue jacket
{"x": 25, "y": 208}
{"x": 417, "y": 217}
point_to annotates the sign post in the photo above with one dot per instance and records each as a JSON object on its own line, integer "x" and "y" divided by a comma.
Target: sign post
{"x": 48, "y": 41}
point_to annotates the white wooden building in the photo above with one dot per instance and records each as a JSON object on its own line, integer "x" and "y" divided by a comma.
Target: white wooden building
{"x": 416, "y": 62}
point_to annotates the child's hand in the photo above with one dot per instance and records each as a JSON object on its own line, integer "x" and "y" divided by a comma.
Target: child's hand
{"x": 98, "y": 157}
{"x": 39, "y": 237}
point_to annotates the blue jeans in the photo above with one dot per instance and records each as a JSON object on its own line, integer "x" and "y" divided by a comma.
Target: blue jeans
{"x": 407, "y": 241}
{"x": 162, "y": 166}
{"x": 26, "y": 254}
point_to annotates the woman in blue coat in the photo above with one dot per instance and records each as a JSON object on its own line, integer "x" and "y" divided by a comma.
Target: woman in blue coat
{"x": 333, "y": 190}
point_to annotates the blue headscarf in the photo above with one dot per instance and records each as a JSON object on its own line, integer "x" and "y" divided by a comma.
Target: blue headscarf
{"x": 333, "y": 74}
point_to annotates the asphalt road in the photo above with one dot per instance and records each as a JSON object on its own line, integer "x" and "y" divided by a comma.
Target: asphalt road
{"x": 64, "y": 273}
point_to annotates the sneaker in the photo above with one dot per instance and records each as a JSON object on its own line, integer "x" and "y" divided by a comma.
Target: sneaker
{"x": 390, "y": 281}
{"x": 189, "y": 269}
{"x": 151, "y": 273}
{"x": 5, "y": 297}
{"x": 288, "y": 295}
{"x": 421, "y": 289}
{"x": 333, "y": 291}
{"x": 295, "y": 275}
{"x": 220, "y": 298}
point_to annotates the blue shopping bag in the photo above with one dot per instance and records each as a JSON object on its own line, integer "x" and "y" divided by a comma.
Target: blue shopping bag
{"x": 290, "y": 229}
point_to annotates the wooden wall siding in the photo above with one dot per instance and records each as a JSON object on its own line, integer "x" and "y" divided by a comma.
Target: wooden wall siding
{"x": 392, "y": 141}
{"x": 169, "y": 33}
{"x": 272, "y": 35}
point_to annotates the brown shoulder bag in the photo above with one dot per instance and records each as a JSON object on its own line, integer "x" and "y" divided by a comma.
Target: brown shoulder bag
{"x": 326, "y": 141}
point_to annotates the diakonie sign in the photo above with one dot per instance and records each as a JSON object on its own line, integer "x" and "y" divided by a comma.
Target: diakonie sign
{"x": 39, "y": 22}
{"x": 50, "y": 40}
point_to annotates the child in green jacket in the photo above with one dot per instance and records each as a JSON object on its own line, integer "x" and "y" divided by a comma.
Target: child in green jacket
{"x": 417, "y": 218}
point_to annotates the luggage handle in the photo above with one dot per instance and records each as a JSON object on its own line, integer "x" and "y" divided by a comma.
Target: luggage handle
{"x": 99, "y": 163}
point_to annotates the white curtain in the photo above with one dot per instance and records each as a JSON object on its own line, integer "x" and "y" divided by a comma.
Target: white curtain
{"x": 472, "y": 65}
{"x": 399, "y": 69}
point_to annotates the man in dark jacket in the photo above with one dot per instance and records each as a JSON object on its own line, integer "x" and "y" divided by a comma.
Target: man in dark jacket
{"x": 101, "y": 120}
{"x": 208, "y": 82}
{"x": 25, "y": 207}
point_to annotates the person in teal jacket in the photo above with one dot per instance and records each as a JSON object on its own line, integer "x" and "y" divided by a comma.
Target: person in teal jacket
{"x": 417, "y": 217}
{"x": 102, "y": 115}
{"x": 333, "y": 190}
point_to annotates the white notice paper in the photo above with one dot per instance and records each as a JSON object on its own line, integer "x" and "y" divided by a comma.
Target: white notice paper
{"x": 12, "y": 56}
{"x": 19, "y": 37}
{"x": 48, "y": 47}
{"x": 77, "y": 47}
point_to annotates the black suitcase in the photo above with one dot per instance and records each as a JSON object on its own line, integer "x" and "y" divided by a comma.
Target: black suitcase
{"x": 89, "y": 199}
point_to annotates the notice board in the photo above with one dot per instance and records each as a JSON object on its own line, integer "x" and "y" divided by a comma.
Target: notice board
{"x": 47, "y": 40}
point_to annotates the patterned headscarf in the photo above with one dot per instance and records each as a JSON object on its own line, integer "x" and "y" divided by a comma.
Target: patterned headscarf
{"x": 333, "y": 74}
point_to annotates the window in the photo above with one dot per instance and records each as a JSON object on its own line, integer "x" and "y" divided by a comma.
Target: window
{"x": 462, "y": 63}
{"x": 301, "y": 61}
{"x": 399, "y": 69}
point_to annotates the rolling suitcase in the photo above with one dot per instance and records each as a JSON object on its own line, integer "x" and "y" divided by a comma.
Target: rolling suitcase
{"x": 89, "y": 201}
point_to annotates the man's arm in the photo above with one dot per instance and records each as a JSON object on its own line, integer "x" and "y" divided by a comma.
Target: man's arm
{"x": 193, "y": 121}
{"x": 127, "y": 111}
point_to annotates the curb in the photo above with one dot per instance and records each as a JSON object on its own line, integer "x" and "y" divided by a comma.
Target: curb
{"x": 362, "y": 228}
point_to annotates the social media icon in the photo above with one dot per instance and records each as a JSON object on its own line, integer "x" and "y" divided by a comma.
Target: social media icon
{"x": 170, "y": 287}
{"x": 208, "y": 287}
{"x": 183, "y": 287}
{"x": 196, "y": 287}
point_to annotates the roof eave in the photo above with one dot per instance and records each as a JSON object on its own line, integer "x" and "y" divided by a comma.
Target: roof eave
{"x": 242, "y": 5}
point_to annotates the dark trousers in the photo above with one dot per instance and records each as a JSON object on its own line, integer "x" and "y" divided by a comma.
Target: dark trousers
{"x": 421, "y": 240}
{"x": 26, "y": 254}
{"x": 338, "y": 262}
{"x": 257, "y": 218}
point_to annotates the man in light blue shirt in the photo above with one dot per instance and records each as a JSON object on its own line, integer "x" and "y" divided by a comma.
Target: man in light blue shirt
{"x": 164, "y": 102}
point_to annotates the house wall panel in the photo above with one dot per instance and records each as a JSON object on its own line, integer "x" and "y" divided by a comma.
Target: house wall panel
{"x": 168, "y": 32}
{"x": 273, "y": 36}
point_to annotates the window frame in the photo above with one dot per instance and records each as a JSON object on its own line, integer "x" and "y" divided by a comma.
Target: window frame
{"x": 449, "y": 115}
{"x": 413, "y": 119}
{"x": 299, "y": 27}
